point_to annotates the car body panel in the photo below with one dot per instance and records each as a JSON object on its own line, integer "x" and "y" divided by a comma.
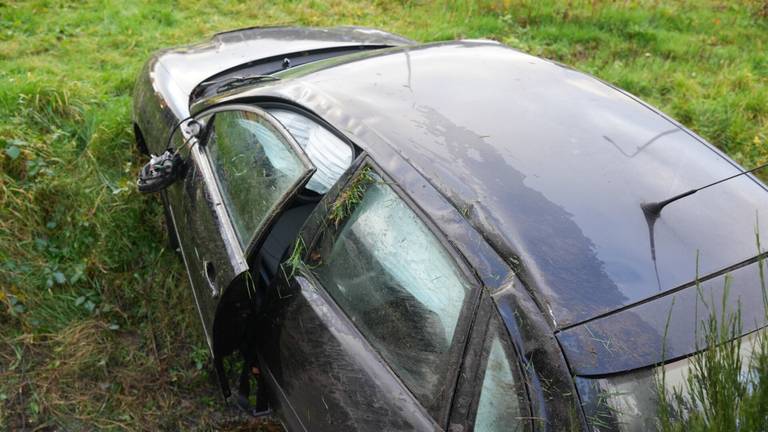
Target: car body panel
{"x": 550, "y": 386}
{"x": 349, "y": 388}
{"x": 551, "y": 165}
{"x": 195, "y": 63}
{"x": 201, "y": 233}
{"x": 212, "y": 252}
{"x": 666, "y": 328}
{"x": 303, "y": 319}
{"x": 357, "y": 388}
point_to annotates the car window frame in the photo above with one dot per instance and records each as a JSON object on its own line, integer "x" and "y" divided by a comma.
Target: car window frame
{"x": 495, "y": 327}
{"x": 270, "y": 104}
{"x": 259, "y": 234}
{"x": 441, "y": 408}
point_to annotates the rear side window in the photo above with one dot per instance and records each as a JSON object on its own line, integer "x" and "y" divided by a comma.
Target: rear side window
{"x": 395, "y": 280}
{"x": 502, "y": 404}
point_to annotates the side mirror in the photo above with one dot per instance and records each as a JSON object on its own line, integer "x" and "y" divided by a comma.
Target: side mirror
{"x": 160, "y": 172}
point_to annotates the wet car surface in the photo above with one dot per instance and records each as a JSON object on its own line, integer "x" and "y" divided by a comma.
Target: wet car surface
{"x": 445, "y": 236}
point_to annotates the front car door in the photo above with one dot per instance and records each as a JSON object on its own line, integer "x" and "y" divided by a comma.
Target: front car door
{"x": 240, "y": 172}
{"x": 370, "y": 316}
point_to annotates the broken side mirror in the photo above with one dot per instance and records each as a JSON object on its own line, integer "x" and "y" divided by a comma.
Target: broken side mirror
{"x": 163, "y": 170}
{"x": 160, "y": 172}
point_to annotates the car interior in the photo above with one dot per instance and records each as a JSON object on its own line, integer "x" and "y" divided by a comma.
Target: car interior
{"x": 331, "y": 156}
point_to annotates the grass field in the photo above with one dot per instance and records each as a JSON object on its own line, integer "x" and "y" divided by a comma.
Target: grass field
{"x": 97, "y": 328}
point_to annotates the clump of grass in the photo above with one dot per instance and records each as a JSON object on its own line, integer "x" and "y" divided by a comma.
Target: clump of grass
{"x": 296, "y": 259}
{"x": 341, "y": 208}
{"x": 350, "y": 198}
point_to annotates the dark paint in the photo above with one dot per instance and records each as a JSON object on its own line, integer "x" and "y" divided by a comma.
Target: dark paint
{"x": 190, "y": 65}
{"x": 266, "y": 66}
{"x": 550, "y": 164}
{"x": 534, "y": 173}
{"x": 196, "y": 223}
{"x": 348, "y": 387}
{"x": 162, "y": 92}
{"x": 664, "y": 329}
{"x": 550, "y": 386}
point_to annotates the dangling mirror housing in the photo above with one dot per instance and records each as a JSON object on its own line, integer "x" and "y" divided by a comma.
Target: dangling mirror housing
{"x": 160, "y": 172}
{"x": 164, "y": 169}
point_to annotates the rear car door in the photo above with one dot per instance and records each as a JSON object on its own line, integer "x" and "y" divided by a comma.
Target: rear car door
{"x": 370, "y": 315}
{"x": 241, "y": 172}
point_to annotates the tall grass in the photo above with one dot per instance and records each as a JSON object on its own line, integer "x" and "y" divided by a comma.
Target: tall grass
{"x": 97, "y": 326}
{"x": 726, "y": 385}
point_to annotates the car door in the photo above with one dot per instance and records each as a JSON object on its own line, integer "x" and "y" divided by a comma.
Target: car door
{"x": 370, "y": 316}
{"x": 241, "y": 170}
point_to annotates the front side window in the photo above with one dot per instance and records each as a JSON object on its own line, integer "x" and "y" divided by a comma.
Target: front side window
{"x": 502, "y": 403}
{"x": 255, "y": 167}
{"x": 395, "y": 281}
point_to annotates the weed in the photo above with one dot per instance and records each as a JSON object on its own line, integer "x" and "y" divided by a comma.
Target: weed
{"x": 296, "y": 260}
{"x": 351, "y": 196}
{"x": 724, "y": 390}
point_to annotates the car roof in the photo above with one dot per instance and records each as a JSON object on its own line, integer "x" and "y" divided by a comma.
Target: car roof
{"x": 551, "y": 165}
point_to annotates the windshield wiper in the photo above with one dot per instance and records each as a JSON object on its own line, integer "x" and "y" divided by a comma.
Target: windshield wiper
{"x": 232, "y": 82}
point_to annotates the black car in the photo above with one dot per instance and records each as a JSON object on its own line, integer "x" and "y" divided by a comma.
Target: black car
{"x": 446, "y": 236}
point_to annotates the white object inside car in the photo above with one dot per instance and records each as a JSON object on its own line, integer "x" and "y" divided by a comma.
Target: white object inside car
{"x": 329, "y": 154}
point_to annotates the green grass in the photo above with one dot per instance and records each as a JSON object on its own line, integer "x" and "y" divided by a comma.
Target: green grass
{"x": 97, "y": 328}
{"x": 724, "y": 390}
{"x": 350, "y": 198}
